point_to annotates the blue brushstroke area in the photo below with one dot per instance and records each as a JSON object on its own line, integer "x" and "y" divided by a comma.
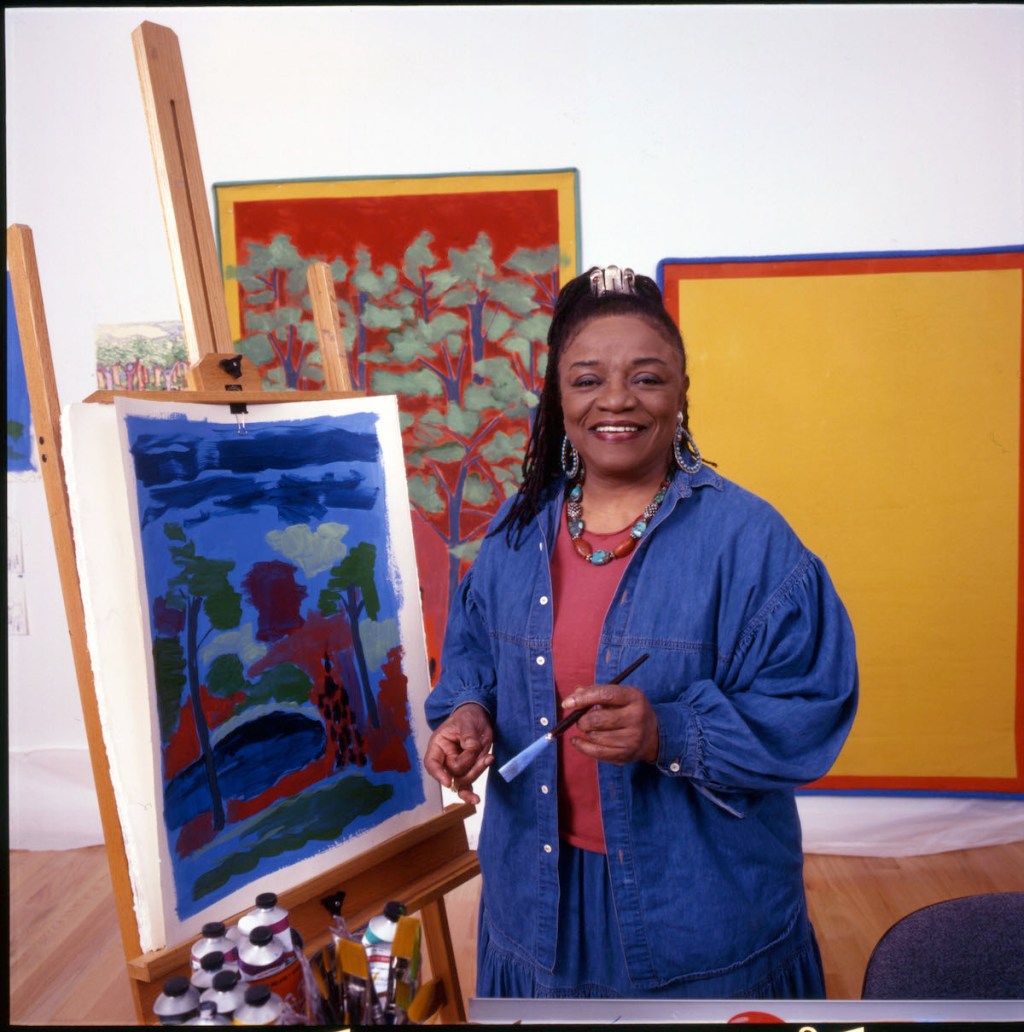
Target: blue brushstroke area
{"x": 250, "y": 759}
{"x": 166, "y": 458}
{"x": 17, "y": 406}
{"x": 296, "y": 499}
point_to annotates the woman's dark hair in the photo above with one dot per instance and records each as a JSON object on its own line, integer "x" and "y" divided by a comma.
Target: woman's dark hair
{"x": 578, "y": 304}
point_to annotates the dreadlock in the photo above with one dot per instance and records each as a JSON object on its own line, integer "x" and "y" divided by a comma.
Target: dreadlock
{"x": 576, "y": 306}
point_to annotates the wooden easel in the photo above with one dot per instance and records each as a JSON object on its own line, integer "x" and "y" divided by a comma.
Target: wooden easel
{"x": 418, "y": 866}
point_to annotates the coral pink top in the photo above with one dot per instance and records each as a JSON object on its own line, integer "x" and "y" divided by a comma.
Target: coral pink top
{"x": 582, "y": 595}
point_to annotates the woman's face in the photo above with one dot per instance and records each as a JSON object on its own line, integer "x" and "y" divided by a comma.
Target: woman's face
{"x": 622, "y": 387}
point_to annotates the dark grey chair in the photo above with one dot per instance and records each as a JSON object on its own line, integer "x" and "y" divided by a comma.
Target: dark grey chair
{"x": 971, "y": 948}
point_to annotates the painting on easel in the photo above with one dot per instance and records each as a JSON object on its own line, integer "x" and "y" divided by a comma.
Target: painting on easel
{"x": 445, "y": 289}
{"x": 277, "y": 581}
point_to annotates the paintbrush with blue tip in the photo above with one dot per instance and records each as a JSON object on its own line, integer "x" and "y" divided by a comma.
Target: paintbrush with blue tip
{"x": 523, "y": 759}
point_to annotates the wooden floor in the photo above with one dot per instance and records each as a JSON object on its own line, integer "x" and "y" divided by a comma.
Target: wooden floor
{"x": 67, "y": 964}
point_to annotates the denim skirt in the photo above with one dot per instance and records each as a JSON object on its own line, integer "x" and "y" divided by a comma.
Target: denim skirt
{"x": 590, "y": 962}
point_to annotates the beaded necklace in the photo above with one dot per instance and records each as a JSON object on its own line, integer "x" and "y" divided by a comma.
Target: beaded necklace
{"x": 598, "y": 557}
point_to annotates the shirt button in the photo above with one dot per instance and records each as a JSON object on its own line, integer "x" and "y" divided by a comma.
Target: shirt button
{"x": 543, "y": 721}
{"x": 674, "y": 767}
{"x": 544, "y": 789}
{"x": 540, "y": 661}
{"x": 547, "y": 848}
{"x": 543, "y": 600}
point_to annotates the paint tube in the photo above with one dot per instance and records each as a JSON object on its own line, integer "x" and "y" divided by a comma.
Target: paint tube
{"x": 212, "y": 963}
{"x": 337, "y": 926}
{"x": 377, "y": 940}
{"x": 227, "y": 992}
{"x": 261, "y": 1007}
{"x": 268, "y": 914}
{"x": 261, "y": 955}
{"x": 263, "y": 961}
{"x": 178, "y": 1002}
{"x": 215, "y": 938}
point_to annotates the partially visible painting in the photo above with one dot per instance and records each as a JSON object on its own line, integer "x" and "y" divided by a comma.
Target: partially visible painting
{"x": 876, "y": 400}
{"x": 287, "y": 664}
{"x": 21, "y": 458}
{"x": 150, "y": 356}
{"x": 445, "y": 288}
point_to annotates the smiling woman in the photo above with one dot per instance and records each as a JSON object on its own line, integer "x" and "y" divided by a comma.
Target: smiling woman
{"x": 623, "y": 391}
{"x": 656, "y": 849}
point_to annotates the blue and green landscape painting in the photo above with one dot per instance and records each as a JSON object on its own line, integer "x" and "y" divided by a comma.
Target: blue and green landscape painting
{"x": 280, "y": 678}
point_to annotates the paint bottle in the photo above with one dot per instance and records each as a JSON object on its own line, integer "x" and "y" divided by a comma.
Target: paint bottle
{"x": 261, "y": 955}
{"x": 377, "y": 940}
{"x": 208, "y": 1016}
{"x": 211, "y": 963}
{"x": 269, "y": 914}
{"x": 263, "y": 961}
{"x": 214, "y": 938}
{"x": 261, "y": 1007}
{"x": 178, "y": 1003}
{"x": 227, "y": 992}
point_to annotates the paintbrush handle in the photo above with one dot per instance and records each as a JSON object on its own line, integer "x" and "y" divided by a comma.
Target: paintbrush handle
{"x": 567, "y": 722}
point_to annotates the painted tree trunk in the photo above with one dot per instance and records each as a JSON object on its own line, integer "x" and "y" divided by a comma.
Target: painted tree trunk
{"x": 202, "y": 729}
{"x": 353, "y": 605}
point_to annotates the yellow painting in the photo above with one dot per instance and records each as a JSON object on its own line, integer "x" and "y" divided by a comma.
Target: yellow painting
{"x": 876, "y": 402}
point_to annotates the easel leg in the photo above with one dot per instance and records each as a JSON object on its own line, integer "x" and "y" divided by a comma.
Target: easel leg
{"x": 442, "y": 959}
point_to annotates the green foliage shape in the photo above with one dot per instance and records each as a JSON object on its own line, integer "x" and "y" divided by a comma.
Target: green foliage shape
{"x": 319, "y": 814}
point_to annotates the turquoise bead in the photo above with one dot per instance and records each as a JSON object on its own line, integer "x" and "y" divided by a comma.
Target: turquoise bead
{"x": 600, "y": 557}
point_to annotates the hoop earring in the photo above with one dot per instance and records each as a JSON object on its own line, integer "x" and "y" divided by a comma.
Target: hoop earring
{"x": 570, "y": 459}
{"x": 680, "y": 453}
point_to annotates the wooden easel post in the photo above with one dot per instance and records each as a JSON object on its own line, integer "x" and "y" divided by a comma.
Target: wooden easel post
{"x": 182, "y": 191}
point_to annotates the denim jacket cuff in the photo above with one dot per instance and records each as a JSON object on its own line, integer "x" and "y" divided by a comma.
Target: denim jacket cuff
{"x": 461, "y": 697}
{"x": 678, "y": 739}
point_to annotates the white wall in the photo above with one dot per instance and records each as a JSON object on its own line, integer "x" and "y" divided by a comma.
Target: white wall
{"x": 698, "y": 132}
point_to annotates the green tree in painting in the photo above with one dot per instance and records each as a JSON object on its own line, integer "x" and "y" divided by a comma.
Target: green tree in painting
{"x": 351, "y": 586}
{"x": 462, "y": 312}
{"x": 280, "y": 334}
{"x": 200, "y": 589}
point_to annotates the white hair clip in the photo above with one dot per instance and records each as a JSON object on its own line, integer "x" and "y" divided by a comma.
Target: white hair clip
{"x": 612, "y": 280}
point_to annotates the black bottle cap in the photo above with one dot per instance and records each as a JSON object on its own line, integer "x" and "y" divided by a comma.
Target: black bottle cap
{"x": 266, "y": 900}
{"x": 394, "y": 910}
{"x": 176, "y": 985}
{"x": 214, "y": 930}
{"x": 260, "y": 935}
{"x": 212, "y": 961}
{"x": 257, "y": 994}
{"x": 333, "y": 904}
{"x": 225, "y": 981}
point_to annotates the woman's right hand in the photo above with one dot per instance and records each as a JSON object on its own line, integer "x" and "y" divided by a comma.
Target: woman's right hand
{"x": 459, "y": 751}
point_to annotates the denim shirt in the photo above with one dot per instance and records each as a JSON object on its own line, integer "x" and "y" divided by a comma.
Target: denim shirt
{"x": 752, "y": 675}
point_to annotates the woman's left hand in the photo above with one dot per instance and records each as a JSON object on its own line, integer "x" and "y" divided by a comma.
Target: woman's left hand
{"x": 620, "y": 729}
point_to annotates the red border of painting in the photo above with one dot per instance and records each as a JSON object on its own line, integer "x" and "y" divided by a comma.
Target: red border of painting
{"x": 672, "y": 270}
